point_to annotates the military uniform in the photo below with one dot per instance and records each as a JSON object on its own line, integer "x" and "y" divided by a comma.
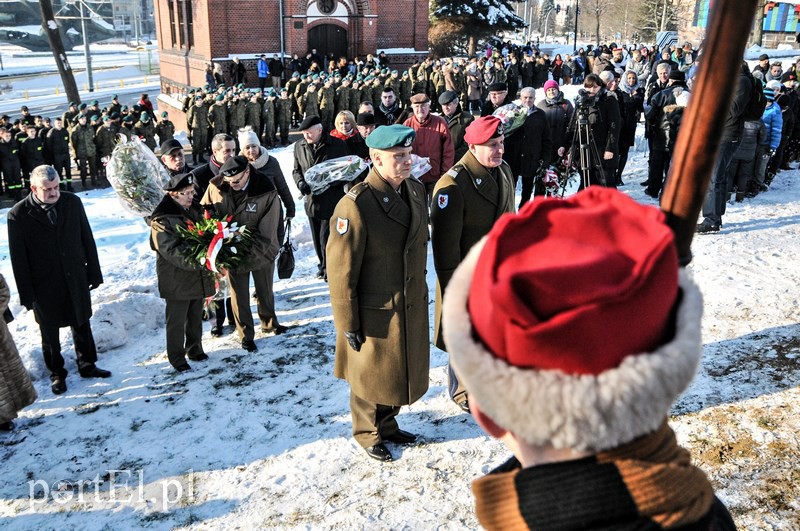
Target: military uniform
{"x": 269, "y": 122}
{"x": 165, "y": 130}
{"x": 218, "y": 118}
{"x": 147, "y": 132}
{"x": 57, "y": 147}
{"x": 377, "y": 254}
{"x": 11, "y": 167}
{"x": 343, "y": 99}
{"x": 252, "y": 116}
{"x": 235, "y": 117}
{"x": 327, "y": 106}
{"x": 31, "y": 154}
{"x": 105, "y": 139}
{"x": 466, "y": 202}
{"x": 309, "y": 103}
{"x": 85, "y": 151}
{"x": 197, "y": 120}
{"x": 355, "y": 100}
{"x": 284, "y": 112}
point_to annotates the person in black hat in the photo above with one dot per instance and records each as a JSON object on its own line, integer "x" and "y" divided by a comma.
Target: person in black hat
{"x": 174, "y": 158}
{"x": 498, "y": 96}
{"x": 182, "y": 284}
{"x": 27, "y": 118}
{"x": 763, "y": 64}
{"x": 365, "y": 124}
{"x": 378, "y": 253}
{"x": 315, "y": 147}
{"x": 251, "y": 200}
{"x": 457, "y": 121}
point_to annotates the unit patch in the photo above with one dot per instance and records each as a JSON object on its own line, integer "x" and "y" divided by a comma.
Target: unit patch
{"x": 442, "y": 201}
{"x": 251, "y": 207}
{"x": 342, "y": 225}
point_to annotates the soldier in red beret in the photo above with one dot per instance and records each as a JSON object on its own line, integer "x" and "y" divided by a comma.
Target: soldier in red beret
{"x": 467, "y": 201}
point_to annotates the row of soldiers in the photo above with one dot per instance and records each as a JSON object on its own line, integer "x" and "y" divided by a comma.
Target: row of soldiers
{"x": 85, "y": 134}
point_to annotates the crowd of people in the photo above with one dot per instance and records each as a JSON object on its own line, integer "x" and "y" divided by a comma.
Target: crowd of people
{"x": 371, "y": 235}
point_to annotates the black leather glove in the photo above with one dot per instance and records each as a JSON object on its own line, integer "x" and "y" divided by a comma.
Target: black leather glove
{"x": 305, "y": 189}
{"x": 355, "y": 339}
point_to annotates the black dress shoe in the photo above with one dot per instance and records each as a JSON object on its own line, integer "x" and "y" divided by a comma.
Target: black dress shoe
{"x": 707, "y": 227}
{"x": 379, "y": 452}
{"x": 216, "y": 331}
{"x": 94, "y": 372}
{"x": 199, "y": 357}
{"x": 249, "y": 345}
{"x": 59, "y": 386}
{"x": 183, "y": 368}
{"x": 7, "y": 426}
{"x": 401, "y": 437}
{"x": 464, "y": 405}
{"x": 275, "y": 331}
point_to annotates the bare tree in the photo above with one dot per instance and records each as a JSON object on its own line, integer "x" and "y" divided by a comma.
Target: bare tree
{"x": 57, "y": 46}
{"x": 758, "y": 27}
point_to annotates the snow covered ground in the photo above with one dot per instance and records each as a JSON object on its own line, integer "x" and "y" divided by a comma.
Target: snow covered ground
{"x": 263, "y": 440}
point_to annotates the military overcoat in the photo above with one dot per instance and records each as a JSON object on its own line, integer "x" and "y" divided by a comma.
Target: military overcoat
{"x": 377, "y": 253}
{"x": 466, "y": 202}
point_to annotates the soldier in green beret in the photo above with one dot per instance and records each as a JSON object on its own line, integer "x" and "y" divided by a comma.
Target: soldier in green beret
{"x": 165, "y": 129}
{"x": 197, "y": 120}
{"x": 377, "y": 253}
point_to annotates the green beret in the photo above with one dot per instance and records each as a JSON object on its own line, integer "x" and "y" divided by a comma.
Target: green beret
{"x": 94, "y": 118}
{"x": 106, "y": 119}
{"x": 113, "y": 96}
{"x": 164, "y": 114}
{"x": 128, "y": 119}
{"x": 304, "y": 76}
{"x": 145, "y": 117}
{"x": 82, "y": 106}
{"x": 220, "y": 98}
{"x": 390, "y": 136}
{"x": 95, "y": 103}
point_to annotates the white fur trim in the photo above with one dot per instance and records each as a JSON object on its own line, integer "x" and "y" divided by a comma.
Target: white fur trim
{"x": 581, "y": 412}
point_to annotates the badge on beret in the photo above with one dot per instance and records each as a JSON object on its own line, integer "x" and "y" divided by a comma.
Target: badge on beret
{"x": 409, "y": 141}
{"x": 442, "y": 201}
{"x": 342, "y": 224}
{"x": 500, "y": 129}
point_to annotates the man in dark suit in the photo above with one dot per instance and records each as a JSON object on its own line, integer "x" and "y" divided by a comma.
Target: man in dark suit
{"x": 55, "y": 265}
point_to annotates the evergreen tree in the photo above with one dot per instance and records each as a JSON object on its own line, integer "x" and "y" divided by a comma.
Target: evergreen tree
{"x": 477, "y": 19}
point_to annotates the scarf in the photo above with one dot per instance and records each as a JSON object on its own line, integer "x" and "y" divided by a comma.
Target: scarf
{"x": 555, "y": 101}
{"x": 49, "y": 209}
{"x": 389, "y": 111}
{"x": 649, "y": 480}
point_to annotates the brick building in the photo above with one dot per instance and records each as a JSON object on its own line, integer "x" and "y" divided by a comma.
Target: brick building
{"x": 193, "y": 33}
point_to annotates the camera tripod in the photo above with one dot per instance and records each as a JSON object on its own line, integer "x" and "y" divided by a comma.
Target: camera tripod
{"x": 588, "y": 154}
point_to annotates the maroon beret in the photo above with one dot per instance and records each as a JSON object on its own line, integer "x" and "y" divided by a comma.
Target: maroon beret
{"x": 483, "y": 129}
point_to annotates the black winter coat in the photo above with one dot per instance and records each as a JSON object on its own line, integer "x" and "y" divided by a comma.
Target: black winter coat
{"x": 529, "y": 147}
{"x": 54, "y": 266}
{"x": 559, "y": 115}
{"x": 178, "y": 279}
{"x": 604, "y": 123}
{"x": 458, "y": 124}
{"x": 203, "y": 175}
{"x": 31, "y": 152}
{"x": 305, "y": 156}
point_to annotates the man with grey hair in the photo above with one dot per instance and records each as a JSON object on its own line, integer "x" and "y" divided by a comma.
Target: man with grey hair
{"x": 55, "y": 265}
{"x": 530, "y": 148}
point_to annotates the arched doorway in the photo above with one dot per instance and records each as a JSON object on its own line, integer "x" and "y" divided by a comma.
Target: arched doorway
{"x": 328, "y": 39}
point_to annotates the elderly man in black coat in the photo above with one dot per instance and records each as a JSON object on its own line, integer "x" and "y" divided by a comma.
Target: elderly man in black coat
{"x": 315, "y": 147}
{"x": 55, "y": 265}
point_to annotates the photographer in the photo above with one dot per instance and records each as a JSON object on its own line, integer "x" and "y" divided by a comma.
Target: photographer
{"x": 595, "y": 109}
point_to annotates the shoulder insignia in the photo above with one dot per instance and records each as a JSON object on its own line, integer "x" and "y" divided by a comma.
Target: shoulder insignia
{"x": 454, "y": 171}
{"x": 442, "y": 200}
{"x": 342, "y": 225}
{"x": 357, "y": 190}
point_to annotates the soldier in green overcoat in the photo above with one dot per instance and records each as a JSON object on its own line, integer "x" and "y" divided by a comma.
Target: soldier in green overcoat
{"x": 197, "y": 120}
{"x": 377, "y": 253}
{"x": 283, "y": 109}
{"x": 165, "y": 129}
{"x": 466, "y": 202}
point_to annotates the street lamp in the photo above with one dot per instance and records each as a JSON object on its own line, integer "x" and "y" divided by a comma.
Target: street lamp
{"x": 575, "y": 35}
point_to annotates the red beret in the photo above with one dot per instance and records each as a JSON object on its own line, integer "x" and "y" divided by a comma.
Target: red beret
{"x": 483, "y": 129}
{"x": 575, "y": 285}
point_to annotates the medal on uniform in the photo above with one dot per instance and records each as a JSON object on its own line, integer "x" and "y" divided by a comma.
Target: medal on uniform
{"x": 442, "y": 201}
{"x": 342, "y": 224}
{"x": 478, "y": 181}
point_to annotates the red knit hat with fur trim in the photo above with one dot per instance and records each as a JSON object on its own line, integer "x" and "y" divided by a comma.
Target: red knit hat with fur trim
{"x": 596, "y": 273}
{"x": 566, "y": 325}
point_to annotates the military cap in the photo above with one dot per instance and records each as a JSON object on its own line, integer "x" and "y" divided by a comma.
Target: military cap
{"x": 138, "y": 107}
{"x": 498, "y": 87}
{"x": 124, "y": 108}
{"x": 145, "y": 117}
{"x": 179, "y": 181}
{"x": 72, "y": 104}
{"x": 95, "y": 102}
{"x": 447, "y": 97}
{"x": 114, "y": 96}
{"x": 82, "y": 106}
{"x": 23, "y": 108}
{"x": 296, "y": 74}
{"x": 420, "y": 98}
{"x": 220, "y": 98}
{"x": 365, "y": 118}
{"x": 106, "y": 119}
{"x": 128, "y": 119}
{"x": 788, "y": 76}
{"x": 198, "y": 98}
{"x": 395, "y": 72}
{"x": 304, "y": 76}
{"x": 309, "y": 122}
{"x": 164, "y": 114}
{"x": 483, "y": 129}
{"x": 233, "y": 166}
{"x": 284, "y": 89}
{"x": 168, "y": 146}
{"x": 385, "y": 71}
{"x": 391, "y": 136}
{"x": 94, "y": 118}
{"x": 405, "y": 72}
{"x": 115, "y": 115}
{"x": 315, "y": 76}
{"x": 240, "y": 85}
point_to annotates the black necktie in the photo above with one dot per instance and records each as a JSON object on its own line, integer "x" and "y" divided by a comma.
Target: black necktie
{"x": 52, "y": 216}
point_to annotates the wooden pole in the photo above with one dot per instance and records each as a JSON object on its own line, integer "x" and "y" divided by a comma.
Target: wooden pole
{"x": 699, "y": 138}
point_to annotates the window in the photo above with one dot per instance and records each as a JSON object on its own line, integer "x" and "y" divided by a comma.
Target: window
{"x": 185, "y": 25}
{"x": 172, "y": 22}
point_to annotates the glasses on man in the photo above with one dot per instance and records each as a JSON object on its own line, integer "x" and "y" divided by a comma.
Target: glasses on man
{"x": 185, "y": 194}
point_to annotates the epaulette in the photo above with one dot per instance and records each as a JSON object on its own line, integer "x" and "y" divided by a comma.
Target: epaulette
{"x": 454, "y": 171}
{"x": 356, "y": 190}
